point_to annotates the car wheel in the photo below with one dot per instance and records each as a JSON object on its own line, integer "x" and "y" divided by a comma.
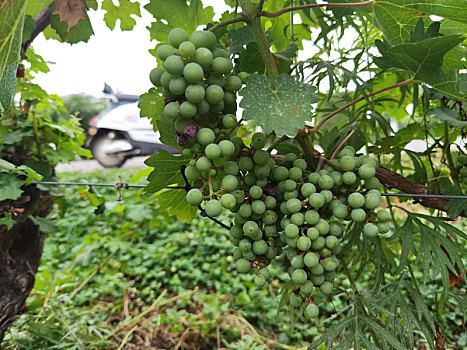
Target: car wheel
{"x": 106, "y": 160}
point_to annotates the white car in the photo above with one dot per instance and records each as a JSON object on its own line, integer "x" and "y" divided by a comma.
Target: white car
{"x": 120, "y": 133}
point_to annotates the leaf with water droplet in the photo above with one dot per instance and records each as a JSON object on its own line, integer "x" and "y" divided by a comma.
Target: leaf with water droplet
{"x": 282, "y": 109}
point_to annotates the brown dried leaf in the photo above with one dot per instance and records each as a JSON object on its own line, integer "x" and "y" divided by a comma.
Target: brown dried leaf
{"x": 71, "y": 11}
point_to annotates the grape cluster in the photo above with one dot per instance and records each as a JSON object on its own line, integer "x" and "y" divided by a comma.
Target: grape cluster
{"x": 462, "y": 162}
{"x": 282, "y": 210}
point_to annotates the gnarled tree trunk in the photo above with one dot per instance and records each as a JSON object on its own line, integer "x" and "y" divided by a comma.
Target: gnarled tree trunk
{"x": 20, "y": 254}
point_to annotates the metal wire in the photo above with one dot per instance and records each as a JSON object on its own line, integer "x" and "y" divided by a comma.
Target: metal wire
{"x": 189, "y": 187}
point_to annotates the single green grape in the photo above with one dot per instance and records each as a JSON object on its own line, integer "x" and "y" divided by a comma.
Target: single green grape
{"x": 177, "y": 36}
{"x": 205, "y": 136}
{"x": 194, "y": 197}
{"x": 174, "y": 65}
{"x": 303, "y": 243}
{"x": 164, "y": 51}
{"x": 243, "y": 265}
{"x": 299, "y": 276}
{"x": 213, "y": 207}
{"x": 312, "y": 311}
{"x": 230, "y": 183}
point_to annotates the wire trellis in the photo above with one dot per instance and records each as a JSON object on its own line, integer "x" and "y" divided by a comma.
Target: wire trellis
{"x": 119, "y": 185}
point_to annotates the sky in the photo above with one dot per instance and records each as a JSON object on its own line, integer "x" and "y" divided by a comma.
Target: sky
{"x": 121, "y": 59}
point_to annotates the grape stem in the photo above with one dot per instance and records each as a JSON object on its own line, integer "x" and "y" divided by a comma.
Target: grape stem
{"x": 329, "y": 116}
{"x": 241, "y": 18}
{"x": 342, "y": 143}
{"x": 276, "y": 142}
{"x": 304, "y": 7}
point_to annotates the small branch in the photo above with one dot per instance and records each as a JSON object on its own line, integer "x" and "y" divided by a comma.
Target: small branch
{"x": 304, "y": 7}
{"x": 41, "y": 22}
{"x": 342, "y": 143}
{"x": 278, "y": 141}
{"x": 329, "y": 116}
{"x": 215, "y": 27}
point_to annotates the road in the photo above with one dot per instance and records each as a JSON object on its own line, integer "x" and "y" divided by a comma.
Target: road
{"x": 90, "y": 165}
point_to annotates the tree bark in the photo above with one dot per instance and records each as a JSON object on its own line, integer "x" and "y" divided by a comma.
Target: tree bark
{"x": 20, "y": 254}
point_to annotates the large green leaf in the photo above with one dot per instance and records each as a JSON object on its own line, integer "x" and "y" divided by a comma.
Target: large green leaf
{"x": 8, "y": 86}
{"x": 396, "y": 18}
{"x": 11, "y": 32}
{"x": 424, "y": 60}
{"x": 151, "y": 104}
{"x": 167, "y": 170}
{"x": 282, "y": 109}
{"x": 10, "y": 187}
{"x": 123, "y": 12}
{"x": 177, "y": 14}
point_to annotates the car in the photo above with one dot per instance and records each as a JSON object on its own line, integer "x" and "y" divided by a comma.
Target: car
{"x": 120, "y": 133}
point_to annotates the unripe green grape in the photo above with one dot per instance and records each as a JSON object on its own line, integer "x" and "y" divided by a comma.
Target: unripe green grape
{"x": 314, "y": 178}
{"x": 243, "y": 76}
{"x": 299, "y": 276}
{"x": 331, "y": 241}
{"x": 325, "y": 182}
{"x": 217, "y": 108}
{"x": 250, "y": 227}
{"x": 203, "y": 107}
{"x": 174, "y": 65}
{"x": 317, "y": 280}
{"x": 366, "y": 171}
{"x": 188, "y": 109}
{"x": 269, "y": 217}
{"x": 259, "y": 281}
{"x": 172, "y": 110}
{"x": 270, "y": 230}
{"x": 230, "y": 167}
{"x": 300, "y": 163}
{"x": 233, "y": 83}
{"x": 290, "y": 253}
{"x": 262, "y": 171}
{"x": 258, "y": 140}
{"x": 261, "y": 157}
{"x": 374, "y": 193}
{"x": 295, "y": 174}
{"x": 239, "y": 196}
{"x": 243, "y": 265}
{"x": 177, "y": 85}
{"x": 230, "y": 183}
{"x": 205, "y": 136}
{"x": 349, "y": 178}
{"x": 218, "y": 52}
{"x": 290, "y": 194}
{"x": 255, "y": 192}
{"x": 297, "y": 262}
{"x": 281, "y": 173}
{"x": 329, "y": 276}
{"x": 318, "y": 243}
{"x": 264, "y": 271}
{"x": 312, "y": 233}
{"x": 214, "y": 94}
{"x": 307, "y": 189}
{"x": 289, "y": 159}
{"x": 329, "y": 264}
{"x": 316, "y": 200}
{"x": 312, "y": 217}
{"x": 317, "y": 269}
{"x": 293, "y": 205}
{"x": 177, "y": 36}
{"x": 371, "y": 201}
{"x": 383, "y": 215}
{"x": 327, "y": 195}
{"x": 229, "y": 121}
{"x": 370, "y": 230}
{"x": 228, "y": 201}
{"x": 383, "y": 227}
{"x": 239, "y": 220}
{"x": 212, "y": 151}
{"x": 192, "y": 173}
{"x": 237, "y": 253}
{"x": 250, "y": 179}
{"x": 230, "y": 98}
{"x": 303, "y": 243}
{"x": 307, "y": 288}
{"x": 261, "y": 182}
{"x": 325, "y": 252}
{"x": 203, "y": 164}
{"x": 347, "y": 163}
{"x": 373, "y": 184}
{"x": 193, "y": 72}
{"x": 326, "y": 288}
{"x": 358, "y": 215}
{"x": 164, "y": 51}
{"x": 356, "y": 200}
{"x": 335, "y": 229}
{"x": 248, "y": 255}
{"x": 323, "y": 227}
{"x": 194, "y": 197}
{"x": 227, "y": 148}
{"x": 297, "y": 219}
{"x": 155, "y": 76}
{"x": 245, "y": 210}
{"x": 203, "y": 39}
{"x": 270, "y": 202}
{"x": 260, "y": 247}
{"x": 236, "y": 231}
{"x": 291, "y": 242}
{"x": 165, "y": 79}
{"x": 194, "y": 93}
{"x": 370, "y": 161}
{"x": 291, "y": 231}
{"x": 340, "y": 211}
{"x": 187, "y": 49}
{"x": 213, "y": 207}
{"x": 312, "y": 311}
{"x": 221, "y": 65}
{"x": 290, "y": 185}
{"x": 258, "y": 207}
{"x": 203, "y": 57}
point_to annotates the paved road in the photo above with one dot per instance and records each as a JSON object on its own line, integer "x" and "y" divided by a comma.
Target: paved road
{"x": 90, "y": 165}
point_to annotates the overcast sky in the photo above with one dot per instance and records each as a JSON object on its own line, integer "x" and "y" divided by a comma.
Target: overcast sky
{"x": 118, "y": 58}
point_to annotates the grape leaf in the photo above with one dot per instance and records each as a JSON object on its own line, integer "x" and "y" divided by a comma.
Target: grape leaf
{"x": 167, "y": 170}
{"x": 59, "y": 30}
{"x": 240, "y": 37}
{"x": 7, "y": 221}
{"x": 45, "y": 225}
{"x": 122, "y": 12}
{"x": 70, "y": 11}
{"x": 177, "y": 14}
{"x": 175, "y": 203}
{"x": 396, "y": 18}
{"x": 446, "y": 114}
{"x": 424, "y": 60}
{"x": 11, "y": 32}
{"x": 151, "y": 104}
{"x": 455, "y": 207}
{"x": 167, "y": 132}
{"x": 8, "y": 86}
{"x": 282, "y": 109}
{"x": 10, "y": 187}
